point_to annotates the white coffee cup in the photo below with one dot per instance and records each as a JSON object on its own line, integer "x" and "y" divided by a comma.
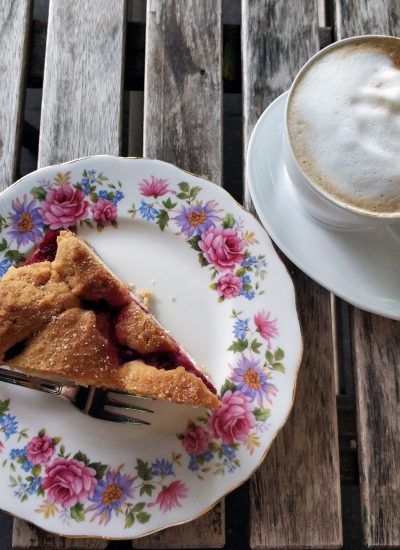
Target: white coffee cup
{"x": 357, "y": 126}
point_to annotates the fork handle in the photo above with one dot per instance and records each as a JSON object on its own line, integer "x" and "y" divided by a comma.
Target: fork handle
{"x": 34, "y": 383}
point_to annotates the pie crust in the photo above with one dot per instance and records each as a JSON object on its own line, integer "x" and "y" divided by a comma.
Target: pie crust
{"x": 70, "y": 318}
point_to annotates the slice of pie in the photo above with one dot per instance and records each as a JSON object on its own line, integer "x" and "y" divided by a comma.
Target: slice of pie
{"x": 66, "y": 316}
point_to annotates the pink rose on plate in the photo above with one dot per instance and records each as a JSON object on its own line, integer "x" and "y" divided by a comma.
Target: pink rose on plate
{"x": 104, "y": 212}
{"x": 168, "y": 497}
{"x": 195, "y": 440}
{"x": 40, "y": 449}
{"x": 69, "y": 481}
{"x": 265, "y": 326}
{"x": 156, "y": 187}
{"x": 222, "y": 248}
{"x": 64, "y": 206}
{"x": 233, "y": 420}
{"x": 229, "y": 285}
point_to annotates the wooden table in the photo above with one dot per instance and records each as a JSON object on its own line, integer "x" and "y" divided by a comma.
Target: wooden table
{"x": 342, "y": 441}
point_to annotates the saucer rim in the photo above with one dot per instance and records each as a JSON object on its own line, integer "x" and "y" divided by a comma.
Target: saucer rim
{"x": 271, "y": 230}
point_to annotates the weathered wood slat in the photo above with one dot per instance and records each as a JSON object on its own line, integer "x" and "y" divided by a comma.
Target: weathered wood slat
{"x": 81, "y": 111}
{"x": 14, "y": 27}
{"x": 81, "y": 115}
{"x": 183, "y": 125}
{"x": 355, "y": 17}
{"x": 26, "y": 535}
{"x": 295, "y": 495}
{"x": 376, "y": 349}
{"x": 183, "y": 85}
{"x": 208, "y": 531}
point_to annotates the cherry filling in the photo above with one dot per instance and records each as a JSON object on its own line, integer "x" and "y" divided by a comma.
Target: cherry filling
{"x": 46, "y": 251}
{"x": 167, "y": 360}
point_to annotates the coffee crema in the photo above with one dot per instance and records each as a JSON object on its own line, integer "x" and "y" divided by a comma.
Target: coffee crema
{"x": 344, "y": 123}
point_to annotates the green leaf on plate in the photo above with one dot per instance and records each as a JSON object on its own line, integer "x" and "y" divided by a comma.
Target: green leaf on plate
{"x": 261, "y": 414}
{"x": 81, "y": 457}
{"x": 194, "y": 192}
{"x": 168, "y": 204}
{"x": 143, "y": 517}
{"x": 238, "y": 346}
{"x": 100, "y": 469}
{"x": 129, "y": 520}
{"x": 3, "y": 245}
{"x": 194, "y": 242}
{"x": 269, "y": 356}
{"x": 162, "y": 219}
{"x": 77, "y": 512}
{"x": 255, "y": 346}
{"x": 4, "y": 407}
{"x": 229, "y": 221}
{"x": 228, "y": 385}
{"x": 143, "y": 469}
{"x": 36, "y": 470}
{"x": 202, "y": 260}
{"x": 39, "y": 193}
{"x": 278, "y": 366}
{"x": 147, "y": 489}
{"x": 139, "y": 507}
{"x": 14, "y": 256}
{"x": 184, "y": 186}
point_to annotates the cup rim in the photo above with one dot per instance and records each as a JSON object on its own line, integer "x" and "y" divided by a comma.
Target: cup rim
{"x": 337, "y": 202}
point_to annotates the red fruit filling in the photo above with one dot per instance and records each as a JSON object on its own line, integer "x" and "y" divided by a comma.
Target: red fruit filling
{"x": 46, "y": 251}
{"x": 166, "y": 360}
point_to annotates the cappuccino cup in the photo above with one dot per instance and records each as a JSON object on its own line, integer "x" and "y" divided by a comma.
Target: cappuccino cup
{"x": 341, "y": 138}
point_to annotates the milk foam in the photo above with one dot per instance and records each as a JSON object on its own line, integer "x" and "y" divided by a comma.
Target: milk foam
{"x": 344, "y": 125}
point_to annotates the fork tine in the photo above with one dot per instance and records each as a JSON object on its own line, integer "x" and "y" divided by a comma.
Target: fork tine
{"x": 120, "y": 418}
{"x": 126, "y": 406}
{"x": 124, "y": 393}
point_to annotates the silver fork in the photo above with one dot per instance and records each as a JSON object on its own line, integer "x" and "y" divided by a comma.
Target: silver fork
{"x": 90, "y": 401}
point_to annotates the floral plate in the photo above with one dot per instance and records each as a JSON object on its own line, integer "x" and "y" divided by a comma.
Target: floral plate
{"x": 218, "y": 286}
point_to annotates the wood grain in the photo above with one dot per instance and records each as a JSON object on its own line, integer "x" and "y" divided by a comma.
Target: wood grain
{"x": 183, "y": 125}
{"x": 376, "y": 349}
{"x": 295, "y": 495}
{"x": 26, "y": 535}
{"x": 208, "y": 531}
{"x": 14, "y": 28}
{"x": 355, "y": 17}
{"x": 81, "y": 112}
{"x": 81, "y": 115}
{"x": 183, "y": 85}
{"x": 277, "y": 39}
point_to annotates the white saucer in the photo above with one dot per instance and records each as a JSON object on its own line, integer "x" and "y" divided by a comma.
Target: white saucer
{"x": 362, "y": 267}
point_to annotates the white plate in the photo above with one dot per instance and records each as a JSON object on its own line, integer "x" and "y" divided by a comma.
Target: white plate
{"x": 362, "y": 267}
{"x": 138, "y": 480}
